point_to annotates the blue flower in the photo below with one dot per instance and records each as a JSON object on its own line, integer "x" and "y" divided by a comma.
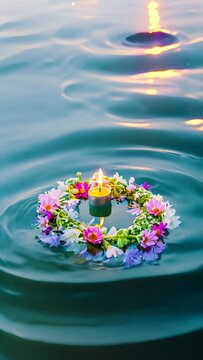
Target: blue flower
{"x": 99, "y": 256}
{"x": 51, "y": 239}
{"x": 86, "y": 255}
{"x": 150, "y": 255}
{"x": 159, "y": 247}
{"x": 132, "y": 257}
{"x": 77, "y": 248}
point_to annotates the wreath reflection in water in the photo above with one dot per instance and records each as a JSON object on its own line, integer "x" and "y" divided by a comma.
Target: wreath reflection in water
{"x": 152, "y": 219}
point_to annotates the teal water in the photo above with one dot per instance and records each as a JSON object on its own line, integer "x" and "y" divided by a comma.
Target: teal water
{"x": 74, "y": 96}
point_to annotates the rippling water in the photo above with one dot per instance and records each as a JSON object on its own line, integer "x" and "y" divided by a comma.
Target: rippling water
{"x": 76, "y": 96}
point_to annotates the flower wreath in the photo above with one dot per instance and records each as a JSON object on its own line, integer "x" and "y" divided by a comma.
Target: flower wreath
{"x": 60, "y": 224}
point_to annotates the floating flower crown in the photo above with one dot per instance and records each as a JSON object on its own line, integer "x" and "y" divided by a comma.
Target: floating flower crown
{"x": 60, "y": 223}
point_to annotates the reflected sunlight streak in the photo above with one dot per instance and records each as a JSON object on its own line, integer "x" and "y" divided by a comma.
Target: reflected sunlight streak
{"x": 157, "y": 50}
{"x": 133, "y": 125}
{"x": 154, "y": 26}
{"x": 195, "y": 122}
{"x": 154, "y": 18}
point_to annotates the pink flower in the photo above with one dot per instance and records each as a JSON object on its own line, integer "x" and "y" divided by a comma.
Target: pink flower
{"x": 131, "y": 186}
{"x": 47, "y": 203}
{"x": 155, "y": 207}
{"x": 149, "y": 238}
{"x": 145, "y": 185}
{"x": 160, "y": 229}
{"x": 134, "y": 209}
{"x": 93, "y": 235}
{"x": 83, "y": 189}
{"x": 56, "y": 195}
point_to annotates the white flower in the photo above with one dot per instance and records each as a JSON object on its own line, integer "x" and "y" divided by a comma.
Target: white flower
{"x": 70, "y": 236}
{"x": 120, "y": 178}
{"x": 73, "y": 214}
{"x": 169, "y": 218}
{"x": 112, "y": 231}
{"x": 113, "y": 251}
{"x": 62, "y": 186}
{"x": 173, "y": 223}
{"x": 55, "y": 194}
{"x": 158, "y": 197}
{"x": 71, "y": 204}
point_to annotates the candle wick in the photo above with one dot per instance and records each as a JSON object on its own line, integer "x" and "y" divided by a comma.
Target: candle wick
{"x": 100, "y": 188}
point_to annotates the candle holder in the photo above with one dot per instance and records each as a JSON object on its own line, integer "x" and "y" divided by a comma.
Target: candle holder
{"x": 100, "y": 201}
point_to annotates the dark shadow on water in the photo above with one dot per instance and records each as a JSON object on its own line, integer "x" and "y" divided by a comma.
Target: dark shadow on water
{"x": 145, "y": 39}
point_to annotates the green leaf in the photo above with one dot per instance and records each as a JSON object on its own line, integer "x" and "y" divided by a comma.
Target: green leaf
{"x": 122, "y": 241}
{"x": 79, "y": 175}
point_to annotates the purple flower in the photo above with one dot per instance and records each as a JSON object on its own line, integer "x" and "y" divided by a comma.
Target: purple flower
{"x": 49, "y": 214}
{"x": 93, "y": 235}
{"x": 51, "y": 239}
{"x": 155, "y": 207}
{"x": 43, "y": 222}
{"x": 132, "y": 257}
{"x": 145, "y": 185}
{"x": 134, "y": 209}
{"x": 160, "y": 229}
{"x": 149, "y": 238}
{"x": 82, "y": 190}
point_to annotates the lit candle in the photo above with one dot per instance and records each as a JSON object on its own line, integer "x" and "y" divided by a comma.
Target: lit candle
{"x": 100, "y": 198}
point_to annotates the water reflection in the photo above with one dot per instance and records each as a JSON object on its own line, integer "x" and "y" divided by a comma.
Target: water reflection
{"x": 152, "y": 77}
{"x": 157, "y": 50}
{"x": 155, "y": 27}
{"x": 134, "y": 124}
{"x": 154, "y": 18}
{"x": 198, "y": 123}
{"x": 87, "y": 8}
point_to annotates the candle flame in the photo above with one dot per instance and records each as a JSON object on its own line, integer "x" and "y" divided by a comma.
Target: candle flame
{"x": 100, "y": 179}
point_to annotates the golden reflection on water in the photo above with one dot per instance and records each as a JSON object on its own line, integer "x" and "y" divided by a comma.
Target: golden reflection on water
{"x": 154, "y": 17}
{"x": 146, "y": 83}
{"x": 133, "y": 125}
{"x": 154, "y": 26}
{"x": 195, "y": 122}
{"x": 157, "y": 50}
{"x": 152, "y": 78}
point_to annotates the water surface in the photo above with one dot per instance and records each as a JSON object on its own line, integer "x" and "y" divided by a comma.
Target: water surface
{"x": 75, "y": 96}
